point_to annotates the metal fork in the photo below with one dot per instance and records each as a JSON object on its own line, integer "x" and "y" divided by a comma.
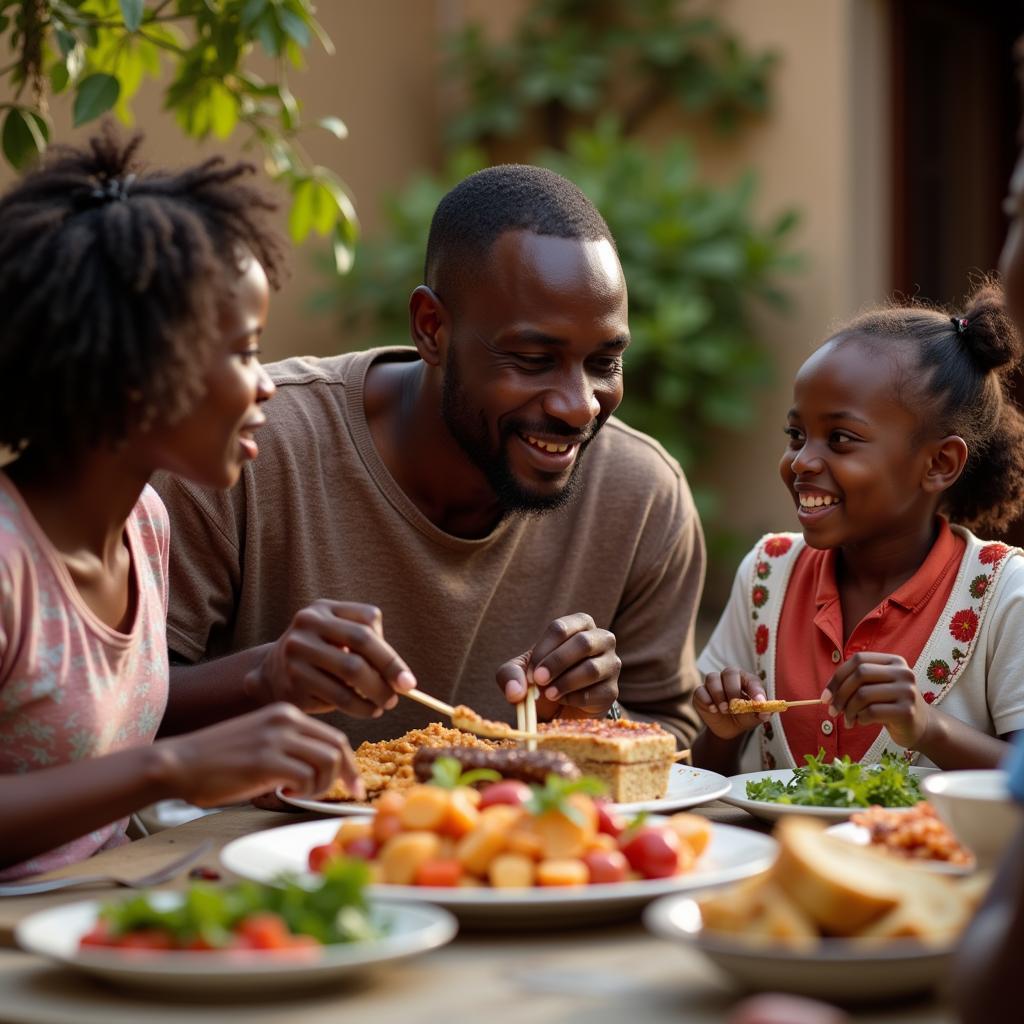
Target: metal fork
{"x": 163, "y": 874}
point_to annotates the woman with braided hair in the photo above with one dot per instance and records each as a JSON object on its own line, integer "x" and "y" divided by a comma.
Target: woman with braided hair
{"x": 133, "y": 304}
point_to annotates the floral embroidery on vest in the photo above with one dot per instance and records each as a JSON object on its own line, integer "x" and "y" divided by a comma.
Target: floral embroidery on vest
{"x": 948, "y": 650}
{"x": 960, "y": 630}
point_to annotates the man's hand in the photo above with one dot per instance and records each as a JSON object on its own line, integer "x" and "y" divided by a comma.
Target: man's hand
{"x": 870, "y": 688}
{"x": 574, "y": 665}
{"x": 243, "y": 757}
{"x": 711, "y": 702}
{"x": 333, "y": 656}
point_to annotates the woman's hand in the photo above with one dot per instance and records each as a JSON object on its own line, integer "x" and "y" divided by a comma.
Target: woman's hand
{"x": 243, "y": 757}
{"x": 874, "y": 688}
{"x": 574, "y": 665}
{"x": 712, "y": 702}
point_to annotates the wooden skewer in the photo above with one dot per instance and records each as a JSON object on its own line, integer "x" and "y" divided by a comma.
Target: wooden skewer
{"x": 680, "y": 754}
{"x": 446, "y": 709}
{"x": 802, "y": 703}
{"x": 431, "y": 702}
{"x": 532, "y": 693}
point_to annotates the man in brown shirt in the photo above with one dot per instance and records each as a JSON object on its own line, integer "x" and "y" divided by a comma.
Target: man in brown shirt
{"x": 465, "y": 515}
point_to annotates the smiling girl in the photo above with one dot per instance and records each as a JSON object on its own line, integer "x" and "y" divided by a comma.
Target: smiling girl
{"x": 887, "y": 608}
{"x": 132, "y": 309}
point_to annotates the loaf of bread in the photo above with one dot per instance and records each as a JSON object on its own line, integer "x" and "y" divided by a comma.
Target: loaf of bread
{"x": 822, "y": 887}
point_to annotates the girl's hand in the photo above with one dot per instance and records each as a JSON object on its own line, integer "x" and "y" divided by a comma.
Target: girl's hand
{"x": 712, "y": 702}
{"x": 870, "y": 688}
{"x": 241, "y": 758}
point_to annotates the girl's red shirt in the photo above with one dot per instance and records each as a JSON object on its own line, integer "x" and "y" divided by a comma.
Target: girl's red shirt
{"x": 901, "y": 624}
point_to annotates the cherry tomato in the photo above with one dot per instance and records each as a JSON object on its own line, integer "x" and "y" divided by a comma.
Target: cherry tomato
{"x": 653, "y": 852}
{"x": 99, "y": 935}
{"x": 365, "y": 847}
{"x": 609, "y": 822}
{"x": 508, "y": 791}
{"x": 319, "y": 855}
{"x": 606, "y": 866}
{"x": 265, "y": 931}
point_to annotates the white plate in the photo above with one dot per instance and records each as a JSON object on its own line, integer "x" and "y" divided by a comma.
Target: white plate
{"x": 732, "y": 854}
{"x": 687, "y": 787}
{"x": 860, "y": 836}
{"x": 838, "y": 970}
{"x": 737, "y": 796}
{"x": 56, "y": 933}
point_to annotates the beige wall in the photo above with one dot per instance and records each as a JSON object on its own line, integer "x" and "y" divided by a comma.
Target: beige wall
{"x": 824, "y": 148}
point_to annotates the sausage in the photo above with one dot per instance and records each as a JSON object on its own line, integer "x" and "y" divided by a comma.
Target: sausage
{"x": 510, "y": 763}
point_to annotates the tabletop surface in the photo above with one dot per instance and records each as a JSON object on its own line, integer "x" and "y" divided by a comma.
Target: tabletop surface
{"x": 593, "y": 975}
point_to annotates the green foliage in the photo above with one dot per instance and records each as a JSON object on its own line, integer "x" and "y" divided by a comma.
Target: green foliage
{"x": 102, "y": 50}
{"x": 572, "y": 87}
{"x": 571, "y": 60}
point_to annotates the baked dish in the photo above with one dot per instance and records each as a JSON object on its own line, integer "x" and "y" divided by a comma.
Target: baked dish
{"x": 632, "y": 758}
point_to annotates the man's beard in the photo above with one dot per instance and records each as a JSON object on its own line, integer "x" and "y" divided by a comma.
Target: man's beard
{"x": 469, "y": 429}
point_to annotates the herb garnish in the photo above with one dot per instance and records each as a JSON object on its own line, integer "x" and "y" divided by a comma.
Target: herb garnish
{"x": 843, "y": 783}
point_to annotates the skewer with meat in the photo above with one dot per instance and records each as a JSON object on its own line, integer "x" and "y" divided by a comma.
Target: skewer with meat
{"x": 765, "y": 707}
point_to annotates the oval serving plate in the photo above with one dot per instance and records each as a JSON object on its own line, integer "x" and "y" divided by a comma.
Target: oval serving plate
{"x": 733, "y": 854}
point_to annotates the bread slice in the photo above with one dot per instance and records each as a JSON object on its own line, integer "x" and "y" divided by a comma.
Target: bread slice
{"x": 762, "y": 913}
{"x": 841, "y": 887}
{"x": 633, "y": 759}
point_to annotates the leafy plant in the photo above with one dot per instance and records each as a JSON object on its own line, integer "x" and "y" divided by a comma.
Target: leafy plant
{"x": 569, "y": 60}
{"x": 102, "y": 50}
{"x": 571, "y": 91}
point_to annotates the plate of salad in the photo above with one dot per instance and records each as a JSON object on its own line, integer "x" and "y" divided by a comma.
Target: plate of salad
{"x": 244, "y": 938}
{"x": 828, "y": 789}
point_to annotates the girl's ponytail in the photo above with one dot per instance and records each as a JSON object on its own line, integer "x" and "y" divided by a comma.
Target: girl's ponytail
{"x": 987, "y": 333}
{"x": 961, "y": 386}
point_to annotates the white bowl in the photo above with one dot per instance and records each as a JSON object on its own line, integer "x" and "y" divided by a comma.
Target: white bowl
{"x": 839, "y": 970}
{"x": 978, "y": 807}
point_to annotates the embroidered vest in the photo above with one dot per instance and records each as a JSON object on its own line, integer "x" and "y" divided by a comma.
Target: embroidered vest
{"x": 938, "y": 667}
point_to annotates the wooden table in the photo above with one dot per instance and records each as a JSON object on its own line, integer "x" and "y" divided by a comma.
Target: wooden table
{"x": 591, "y": 976}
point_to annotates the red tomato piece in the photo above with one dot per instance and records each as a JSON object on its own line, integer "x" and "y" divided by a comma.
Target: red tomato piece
{"x": 365, "y": 847}
{"x": 610, "y": 822}
{"x": 319, "y": 856}
{"x": 446, "y": 873}
{"x": 606, "y": 866}
{"x": 265, "y": 931}
{"x": 653, "y": 852}
{"x": 508, "y": 791}
{"x": 98, "y": 935}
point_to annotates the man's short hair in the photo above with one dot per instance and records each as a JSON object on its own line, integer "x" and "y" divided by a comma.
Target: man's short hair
{"x": 508, "y": 197}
